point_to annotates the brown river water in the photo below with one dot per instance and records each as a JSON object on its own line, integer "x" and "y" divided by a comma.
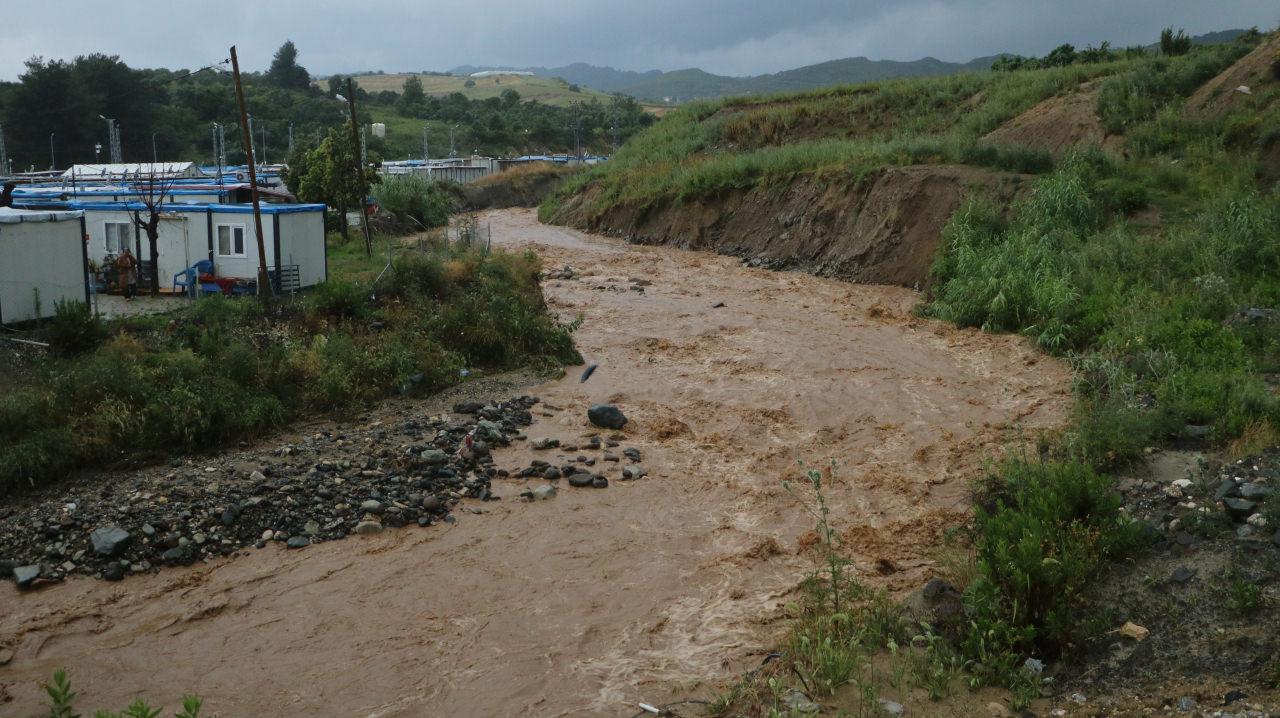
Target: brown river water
{"x": 586, "y": 604}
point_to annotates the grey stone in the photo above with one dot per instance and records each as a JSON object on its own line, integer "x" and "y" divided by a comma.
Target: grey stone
{"x": 632, "y": 454}
{"x": 367, "y": 528}
{"x": 599, "y": 482}
{"x": 545, "y": 443}
{"x": 892, "y": 708}
{"x": 1182, "y": 574}
{"x": 433, "y": 457}
{"x": 1186, "y": 703}
{"x": 607, "y": 416}
{"x": 581, "y": 480}
{"x": 109, "y": 540}
{"x": 1034, "y": 666}
{"x": 311, "y": 528}
{"x": 631, "y": 472}
{"x": 298, "y": 542}
{"x": 173, "y": 556}
{"x": 371, "y": 506}
{"x": 1239, "y": 509}
{"x": 1226, "y": 488}
{"x": 544, "y": 492}
{"x": 25, "y": 575}
{"x": 1254, "y": 491}
{"x": 551, "y": 474}
{"x": 1196, "y": 431}
{"x": 798, "y": 702}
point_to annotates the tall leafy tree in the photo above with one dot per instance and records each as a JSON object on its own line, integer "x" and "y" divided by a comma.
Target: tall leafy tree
{"x": 327, "y": 174}
{"x": 285, "y": 72}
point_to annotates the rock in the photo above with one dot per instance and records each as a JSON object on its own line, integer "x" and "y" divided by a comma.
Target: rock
{"x": 551, "y": 474}
{"x": 367, "y": 528}
{"x": 371, "y": 506}
{"x": 632, "y": 454}
{"x": 298, "y": 542}
{"x": 631, "y": 472}
{"x": 890, "y": 707}
{"x": 1134, "y": 631}
{"x": 544, "y": 492}
{"x": 610, "y": 457}
{"x": 581, "y": 480}
{"x": 599, "y": 482}
{"x": 311, "y": 528}
{"x": 1186, "y": 703}
{"x": 1233, "y": 696}
{"x": 258, "y": 476}
{"x": 24, "y": 576}
{"x": 1257, "y": 521}
{"x": 109, "y": 540}
{"x": 113, "y": 571}
{"x": 432, "y": 504}
{"x": 1254, "y": 491}
{"x": 1238, "y": 509}
{"x": 1182, "y": 574}
{"x": 1196, "y": 431}
{"x": 433, "y": 457}
{"x": 798, "y": 702}
{"x": 1226, "y": 487}
{"x": 1034, "y": 666}
{"x": 607, "y": 416}
{"x": 268, "y": 535}
{"x": 545, "y": 443}
{"x": 468, "y": 407}
{"x": 1275, "y": 538}
{"x": 1078, "y": 698}
{"x": 997, "y": 710}
{"x": 936, "y": 588}
{"x": 230, "y": 516}
{"x": 173, "y": 556}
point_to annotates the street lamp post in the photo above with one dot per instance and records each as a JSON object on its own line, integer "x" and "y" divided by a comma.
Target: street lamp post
{"x": 53, "y": 161}
{"x": 154, "y": 156}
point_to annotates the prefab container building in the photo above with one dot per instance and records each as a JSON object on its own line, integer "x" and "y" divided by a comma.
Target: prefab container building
{"x": 42, "y": 262}
{"x": 293, "y": 237}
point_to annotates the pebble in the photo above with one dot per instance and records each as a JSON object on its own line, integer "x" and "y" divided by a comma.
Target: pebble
{"x": 109, "y": 540}
{"x": 631, "y": 472}
{"x": 892, "y": 708}
{"x": 298, "y": 542}
{"x": 367, "y": 528}
{"x": 371, "y": 506}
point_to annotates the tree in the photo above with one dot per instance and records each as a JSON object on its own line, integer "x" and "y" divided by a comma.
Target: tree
{"x": 510, "y": 98}
{"x": 411, "y": 97}
{"x": 1174, "y": 44}
{"x": 325, "y": 174}
{"x": 469, "y": 84}
{"x": 285, "y": 71}
{"x": 151, "y": 193}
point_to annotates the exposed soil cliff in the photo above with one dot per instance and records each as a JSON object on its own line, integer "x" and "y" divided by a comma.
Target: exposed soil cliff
{"x": 882, "y": 229}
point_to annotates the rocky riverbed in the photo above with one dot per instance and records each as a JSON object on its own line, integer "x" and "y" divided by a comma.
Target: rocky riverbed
{"x": 353, "y": 479}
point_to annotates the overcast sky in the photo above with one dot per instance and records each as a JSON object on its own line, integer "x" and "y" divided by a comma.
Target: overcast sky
{"x": 734, "y": 37}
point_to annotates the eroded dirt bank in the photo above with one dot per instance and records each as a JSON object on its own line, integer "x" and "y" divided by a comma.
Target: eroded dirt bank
{"x": 882, "y": 229}
{"x": 597, "y": 599}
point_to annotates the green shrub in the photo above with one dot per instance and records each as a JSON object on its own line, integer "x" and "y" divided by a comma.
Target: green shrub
{"x": 414, "y": 198}
{"x": 1122, "y": 195}
{"x": 1041, "y": 533}
{"x": 343, "y": 300}
{"x": 62, "y": 703}
{"x": 74, "y": 329}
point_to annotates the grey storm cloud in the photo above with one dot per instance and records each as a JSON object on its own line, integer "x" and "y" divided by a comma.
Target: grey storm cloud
{"x": 732, "y": 37}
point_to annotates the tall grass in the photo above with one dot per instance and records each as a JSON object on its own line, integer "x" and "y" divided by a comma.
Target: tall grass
{"x": 416, "y": 200}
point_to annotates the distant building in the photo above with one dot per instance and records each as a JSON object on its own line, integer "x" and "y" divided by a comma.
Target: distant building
{"x": 491, "y": 73}
{"x": 134, "y": 171}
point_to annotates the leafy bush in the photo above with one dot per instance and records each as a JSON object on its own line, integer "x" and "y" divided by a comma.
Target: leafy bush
{"x": 74, "y": 329}
{"x": 1043, "y": 531}
{"x": 336, "y": 298}
{"x": 1174, "y": 44}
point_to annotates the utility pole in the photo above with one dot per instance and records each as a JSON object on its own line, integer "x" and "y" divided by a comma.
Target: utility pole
{"x": 155, "y": 157}
{"x": 264, "y": 143}
{"x": 290, "y": 139}
{"x": 4, "y": 157}
{"x": 264, "y": 279}
{"x": 53, "y": 161}
{"x": 356, "y": 143}
{"x": 452, "y": 152}
{"x": 426, "y": 147}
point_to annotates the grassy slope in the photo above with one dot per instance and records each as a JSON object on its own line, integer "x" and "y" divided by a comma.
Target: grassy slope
{"x": 1146, "y": 311}
{"x": 542, "y": 89}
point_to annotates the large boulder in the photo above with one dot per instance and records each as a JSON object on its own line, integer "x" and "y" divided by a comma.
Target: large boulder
{"x": 607, "y": 416}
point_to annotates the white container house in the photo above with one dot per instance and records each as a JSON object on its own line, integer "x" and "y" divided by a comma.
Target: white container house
{"x": 42, "y": 262}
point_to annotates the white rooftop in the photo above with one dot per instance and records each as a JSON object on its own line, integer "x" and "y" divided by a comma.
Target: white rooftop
{"x": 140, "y": 170}
{"x": 9, "y": 215}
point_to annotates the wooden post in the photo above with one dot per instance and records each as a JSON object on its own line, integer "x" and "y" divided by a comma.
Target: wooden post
{"x": 355, "y": 150}
{"x": 264, "y": 279}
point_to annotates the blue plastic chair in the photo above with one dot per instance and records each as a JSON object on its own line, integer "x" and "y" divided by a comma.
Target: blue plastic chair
{"x": 189, "y": 278}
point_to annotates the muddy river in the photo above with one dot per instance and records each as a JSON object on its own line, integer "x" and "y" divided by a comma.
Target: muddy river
{"x": 591, "y": 602}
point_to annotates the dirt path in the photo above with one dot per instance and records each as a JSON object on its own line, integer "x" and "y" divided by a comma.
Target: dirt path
{"x": 588, "y": 603}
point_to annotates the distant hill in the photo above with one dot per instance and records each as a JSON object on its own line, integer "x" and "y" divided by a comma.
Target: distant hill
{"x": 693, "y": 83}
{"x": 531, "y": 87}
{"x": 605, "y": 79}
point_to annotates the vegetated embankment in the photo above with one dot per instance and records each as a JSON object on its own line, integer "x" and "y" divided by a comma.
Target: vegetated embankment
{"x": 522, "y": 186}
{"x": 883, "y": 228}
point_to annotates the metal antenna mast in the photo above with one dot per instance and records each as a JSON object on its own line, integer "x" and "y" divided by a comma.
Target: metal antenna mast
{"x": 4, "y": 156}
